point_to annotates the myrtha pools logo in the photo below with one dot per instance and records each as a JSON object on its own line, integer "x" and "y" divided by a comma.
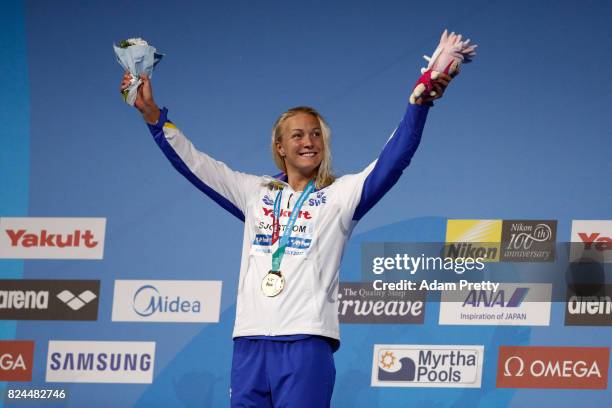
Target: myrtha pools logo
{"x": 427, "y": 366}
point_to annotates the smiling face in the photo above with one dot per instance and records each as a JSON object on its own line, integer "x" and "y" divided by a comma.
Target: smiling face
{"x": 301, "y": 145}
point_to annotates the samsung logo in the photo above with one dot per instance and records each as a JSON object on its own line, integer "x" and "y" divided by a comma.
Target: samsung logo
{"x": 101, "y": 361}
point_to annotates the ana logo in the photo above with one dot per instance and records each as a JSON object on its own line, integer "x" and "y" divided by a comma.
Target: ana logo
{"x": 100, "y": 362}
{"x": 52, "y": 238}
{"x": 553, "y": 367}
{"x": 320, "y": 199}
{"x": 478, "y": 298}
{"x": 76, "y": 302}
{"x": 473, "y": 239}
{"x": 427, "y": 366}
{"x": 167, "y": 301}
{"x": 512, "y": 304}
{"x": 30, "y": 299}
{"x": 591, "y": 241}
{"x": 16, "y": 359}
{"x": 359, "y": 303}
{"x": 148, "y": 301}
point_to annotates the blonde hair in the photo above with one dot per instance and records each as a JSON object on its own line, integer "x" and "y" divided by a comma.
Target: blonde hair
{"x": 325, "y": 175}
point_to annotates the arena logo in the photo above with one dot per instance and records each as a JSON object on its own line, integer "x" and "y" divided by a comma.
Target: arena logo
{"x": 52, "y": 238}
{"x": 359, "y": 303}
{"x": 441, "y": 366}
{"x": 100, "y": 362}
{"x": 513, "y": 304}
{"x": 16, "y": 360}
{"x": 553, "y": 367}
{"x": 591, "y": 241}
{"x": 589, "y": 305}
{"x": 528, "y": 240}
{"x": 29, "y": 299}
{"x": 166, "y": 301}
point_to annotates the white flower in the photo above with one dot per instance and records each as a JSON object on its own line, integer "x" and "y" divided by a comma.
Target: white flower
{"x": 137, "y": 41}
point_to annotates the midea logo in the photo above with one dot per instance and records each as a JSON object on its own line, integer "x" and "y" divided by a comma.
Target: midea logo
{"x": 75, "y": 302}
{"x": 148, "y": 301}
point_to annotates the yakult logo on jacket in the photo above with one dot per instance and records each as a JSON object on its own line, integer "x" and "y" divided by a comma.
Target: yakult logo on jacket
{"x": 553, "y": 367}
{"x": 101, "y": 362}
{"x": 591, "y": 241}
{"x": 269, "y": 212}
{"x": 52, "y": 238}
{"x": 16, "y": 359}
{"x": 427, "y": 366}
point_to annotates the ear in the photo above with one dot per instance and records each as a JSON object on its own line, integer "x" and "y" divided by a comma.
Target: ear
{"x": 280, "y": 149}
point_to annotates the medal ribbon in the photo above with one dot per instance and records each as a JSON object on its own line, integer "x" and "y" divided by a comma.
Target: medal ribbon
{"x": 277, "y": 256}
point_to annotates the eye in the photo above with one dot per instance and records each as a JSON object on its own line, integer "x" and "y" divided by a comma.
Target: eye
{"x": 296, "y": 135}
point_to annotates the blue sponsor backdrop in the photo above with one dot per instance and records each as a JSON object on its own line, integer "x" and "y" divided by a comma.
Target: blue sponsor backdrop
{"x": 523, "y": 133}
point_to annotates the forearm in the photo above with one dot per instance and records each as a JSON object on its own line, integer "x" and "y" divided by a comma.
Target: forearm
{"x": 394, "y": 158}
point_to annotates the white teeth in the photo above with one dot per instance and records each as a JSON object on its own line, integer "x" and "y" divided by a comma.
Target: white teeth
{"x": 310, "y": 154}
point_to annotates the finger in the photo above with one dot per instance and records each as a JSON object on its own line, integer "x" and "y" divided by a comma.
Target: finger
{"x": 445, "y": 77}
{"x": 441, "y": 82}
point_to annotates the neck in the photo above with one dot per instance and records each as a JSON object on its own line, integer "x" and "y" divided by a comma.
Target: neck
{"x": 298, "y": 181}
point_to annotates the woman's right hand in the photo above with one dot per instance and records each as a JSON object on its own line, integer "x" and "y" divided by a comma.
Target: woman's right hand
{"x": 144, "y": 98}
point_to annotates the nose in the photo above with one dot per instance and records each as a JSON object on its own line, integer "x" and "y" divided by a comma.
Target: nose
{"x": 307, "y": 141}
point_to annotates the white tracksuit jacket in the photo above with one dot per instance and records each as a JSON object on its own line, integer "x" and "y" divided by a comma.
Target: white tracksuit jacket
{"x": 309, "y": 302}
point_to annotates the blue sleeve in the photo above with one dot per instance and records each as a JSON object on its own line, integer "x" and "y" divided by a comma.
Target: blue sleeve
{"x": 394, "y": 158}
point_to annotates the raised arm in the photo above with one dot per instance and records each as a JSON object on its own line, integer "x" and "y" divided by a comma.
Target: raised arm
{"x": 398, "y": 151}
{"x": 230, "y": 189}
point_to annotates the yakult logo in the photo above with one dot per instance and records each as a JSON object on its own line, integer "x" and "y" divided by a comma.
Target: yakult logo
{"x": 553, "y": 367}
{"x": 269, "y": 212}
{"x": 591, "y": 241}
{"x": 16, "y": 359}
{"x": 52, "y": 238}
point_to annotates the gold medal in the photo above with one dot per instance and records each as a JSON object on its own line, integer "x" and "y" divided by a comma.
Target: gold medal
{"x": 273, "y": 283}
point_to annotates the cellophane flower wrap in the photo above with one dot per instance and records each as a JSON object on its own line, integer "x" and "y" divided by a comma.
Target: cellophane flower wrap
{"x": 137, "y": 57}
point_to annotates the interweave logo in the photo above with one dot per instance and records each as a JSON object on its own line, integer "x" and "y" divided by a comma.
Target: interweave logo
{"x": 75, "y": 302}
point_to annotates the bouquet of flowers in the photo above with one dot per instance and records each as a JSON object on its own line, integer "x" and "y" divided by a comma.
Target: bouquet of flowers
{"x": 137, "y": 57}
{"x": 447, "y": 58}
